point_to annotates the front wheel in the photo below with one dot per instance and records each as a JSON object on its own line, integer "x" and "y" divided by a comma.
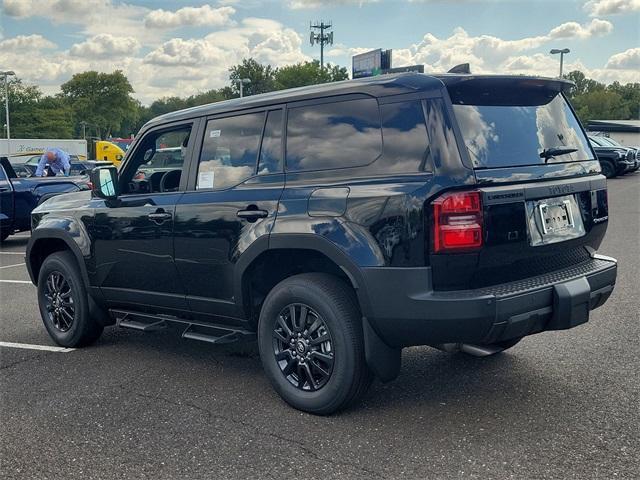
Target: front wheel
{"x": 311, "y": 343}
{"x": 608, "y": 169}
{"x": 63, "y": 302}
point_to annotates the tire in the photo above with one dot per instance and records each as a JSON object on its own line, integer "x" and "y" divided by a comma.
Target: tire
{"x": 64, "y": 303}
{"x": 608, "y": 169}
{"x": 4, "y": 234}
{"x": 333, "y": 314}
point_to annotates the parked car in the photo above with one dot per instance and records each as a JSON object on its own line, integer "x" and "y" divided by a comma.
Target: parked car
{"x": 613, "y": 160}
{"x": 607, "y": 141}
{"x": 473, "y": 225}
{"x": 26, "y": 170}
{"x": 21, "y": 195}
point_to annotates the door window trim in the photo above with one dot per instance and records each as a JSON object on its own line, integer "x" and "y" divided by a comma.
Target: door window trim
{"x": 186, "y": 166}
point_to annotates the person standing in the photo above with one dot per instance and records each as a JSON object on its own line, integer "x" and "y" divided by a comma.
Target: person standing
{"x": 58, "y": 161}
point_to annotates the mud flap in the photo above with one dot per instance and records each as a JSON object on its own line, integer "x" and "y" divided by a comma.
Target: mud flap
{"x": 383, "y": 360}
{"x": 571, "y": 301}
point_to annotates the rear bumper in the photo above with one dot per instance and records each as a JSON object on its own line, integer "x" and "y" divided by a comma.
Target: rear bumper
{"x": 403, "y": 312}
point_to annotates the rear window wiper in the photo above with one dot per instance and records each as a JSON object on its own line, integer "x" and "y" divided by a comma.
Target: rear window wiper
{"x": 548, "y": 153}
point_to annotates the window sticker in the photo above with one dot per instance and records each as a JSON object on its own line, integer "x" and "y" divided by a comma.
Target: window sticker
{"x": 214, "y": 133}
{"x": 205, "y": 179}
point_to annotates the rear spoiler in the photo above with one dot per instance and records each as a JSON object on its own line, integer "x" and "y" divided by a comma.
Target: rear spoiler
{"x": 503, "y": 89}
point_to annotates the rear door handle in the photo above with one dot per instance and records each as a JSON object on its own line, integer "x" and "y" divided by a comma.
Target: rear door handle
{"x": 252, "y": 214}
{"x": 159, "y": 216}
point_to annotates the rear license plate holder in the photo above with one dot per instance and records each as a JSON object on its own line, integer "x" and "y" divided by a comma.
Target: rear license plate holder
{"x": 552, "y": 220}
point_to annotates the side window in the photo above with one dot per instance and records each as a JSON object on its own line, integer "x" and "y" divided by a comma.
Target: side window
{"x": 156, "y": 165}
{"x": 404, "y": 132}
{"x": 229, "y": 151}
{"x": 333, "y": 135}
{"x": 271, "y": 150}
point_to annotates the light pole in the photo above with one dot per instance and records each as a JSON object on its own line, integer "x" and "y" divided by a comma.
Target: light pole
{"x": 6, "y": 107}
{"x": 562, "y": 52}
{"x": 242, "y": 82}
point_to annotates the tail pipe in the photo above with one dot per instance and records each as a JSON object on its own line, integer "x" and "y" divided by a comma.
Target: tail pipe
{"x": 475, "y": 350}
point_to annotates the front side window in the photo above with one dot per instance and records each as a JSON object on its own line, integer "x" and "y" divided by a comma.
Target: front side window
{"x": 333, "y": 135}
{"x": 515, "y": 135}
{"x": 156, "y": 165}
{"x": 229, "y": 151}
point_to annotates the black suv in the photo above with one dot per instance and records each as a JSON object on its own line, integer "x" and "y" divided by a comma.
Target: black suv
{"x": 338, "y": 224}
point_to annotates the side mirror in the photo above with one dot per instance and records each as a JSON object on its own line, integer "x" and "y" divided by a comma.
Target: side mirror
{"x": 104, "y": 182}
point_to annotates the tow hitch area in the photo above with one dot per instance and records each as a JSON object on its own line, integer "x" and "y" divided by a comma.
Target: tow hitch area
{"x": 570, "y": 304}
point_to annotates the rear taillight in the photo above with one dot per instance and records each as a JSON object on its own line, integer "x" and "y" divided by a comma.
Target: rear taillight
{"x": 457, "y": 222}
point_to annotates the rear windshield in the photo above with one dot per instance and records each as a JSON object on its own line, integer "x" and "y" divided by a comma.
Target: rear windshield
{"x": 511, "y": 135}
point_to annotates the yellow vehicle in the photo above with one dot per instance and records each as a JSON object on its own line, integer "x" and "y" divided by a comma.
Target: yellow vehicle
{"x": 108, "y": 151}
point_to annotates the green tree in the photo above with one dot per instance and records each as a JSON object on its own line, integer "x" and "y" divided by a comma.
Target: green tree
{"x": 260, "y": 76}
{"x": 583, "y": 85}
{"x": 308, "y": 73}
{"x": 101, "y": 99}
{"x": 34, "y": 115}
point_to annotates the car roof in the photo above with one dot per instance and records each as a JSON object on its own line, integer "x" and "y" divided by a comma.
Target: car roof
{"x": 378, "y": 86}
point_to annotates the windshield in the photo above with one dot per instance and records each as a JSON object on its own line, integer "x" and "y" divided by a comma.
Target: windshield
{"x": 511, "y": 135}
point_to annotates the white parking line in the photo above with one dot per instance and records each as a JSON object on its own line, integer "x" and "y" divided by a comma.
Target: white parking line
{"x": 10, "y": 266}
{"x": 29, "y": 346}
{"x": 11, "y": 253}
{"x": 15, "y": 281}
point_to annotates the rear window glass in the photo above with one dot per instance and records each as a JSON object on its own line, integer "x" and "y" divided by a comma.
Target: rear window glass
{"x": 510, "y": 135}
{"x": 333, "y": 135}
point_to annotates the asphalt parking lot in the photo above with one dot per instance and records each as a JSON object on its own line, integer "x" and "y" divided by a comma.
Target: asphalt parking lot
{"x": 135, "y": 405}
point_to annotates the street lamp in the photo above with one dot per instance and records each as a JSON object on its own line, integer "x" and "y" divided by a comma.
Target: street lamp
{"x": 242, "y": 82}
{"x": 6, "y": 74}
{"x": 555, "y": 51}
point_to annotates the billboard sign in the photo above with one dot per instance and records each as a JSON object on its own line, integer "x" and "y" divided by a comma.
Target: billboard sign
{"x": 368, "y": 64}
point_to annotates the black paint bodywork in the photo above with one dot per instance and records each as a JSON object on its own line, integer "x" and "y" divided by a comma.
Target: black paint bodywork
{"x": 369, "y": 224}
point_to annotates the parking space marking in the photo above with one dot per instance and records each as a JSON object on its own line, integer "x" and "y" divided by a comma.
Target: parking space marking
{"x": 29, "y": 346}
{"x": 11, "y": 253}
{"x": 10, "y": 266}
{"x": 15, "y": 281}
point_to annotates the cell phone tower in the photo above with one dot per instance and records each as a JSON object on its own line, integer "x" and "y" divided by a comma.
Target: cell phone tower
{"x": 318, "y": 35}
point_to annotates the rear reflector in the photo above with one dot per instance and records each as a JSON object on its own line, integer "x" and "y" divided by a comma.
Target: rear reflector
{"x": 457, "y": 222}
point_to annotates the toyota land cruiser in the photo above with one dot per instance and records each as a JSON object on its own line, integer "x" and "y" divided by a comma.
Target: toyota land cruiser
{"x": 338, "y": 224}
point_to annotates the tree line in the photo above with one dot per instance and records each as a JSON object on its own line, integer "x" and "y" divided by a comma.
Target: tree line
{"x": 101, "y": 105}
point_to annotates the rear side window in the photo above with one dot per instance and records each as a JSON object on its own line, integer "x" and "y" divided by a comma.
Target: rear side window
{"x": 229, "y": 151}
{"x": 271, "y": 150}
{"x": 406, "y": 143}
{"x": 333, "y": 135}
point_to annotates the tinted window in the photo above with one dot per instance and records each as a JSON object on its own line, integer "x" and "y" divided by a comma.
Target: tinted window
{"x": 271, "y": 151}
{"x": 333, "y": 135}
{"x": 230, "y": 151}
{"x": 3, "y": 176}
{"x": 509, "y": 135}
{"x": 404, "y": 133}
{"x": 156, "y": 165}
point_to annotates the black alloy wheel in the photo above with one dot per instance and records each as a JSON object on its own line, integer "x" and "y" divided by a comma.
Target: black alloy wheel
{"x": 302, "y": 346}
{"x": 59, "y": 301}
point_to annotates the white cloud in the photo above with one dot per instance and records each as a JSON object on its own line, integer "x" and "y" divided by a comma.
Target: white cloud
{"x": 105, "y": 45}
{"x": 313, "y": 4}
{"x": 627, "y": 60}
{"x": 596, "y": 28}
{"x": 611, "y": 7}
{"x": 24, "y": 43}
{"x": 189, "y": 16}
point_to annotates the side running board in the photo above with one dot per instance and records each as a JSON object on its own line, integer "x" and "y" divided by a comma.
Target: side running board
{"x": 204, "y": 332}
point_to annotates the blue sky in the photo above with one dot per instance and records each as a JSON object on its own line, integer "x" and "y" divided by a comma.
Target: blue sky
{"x": 180, "y": 47}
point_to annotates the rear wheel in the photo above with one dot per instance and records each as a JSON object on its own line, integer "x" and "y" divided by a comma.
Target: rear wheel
{"x": 311, "y": 343}
{"x": 608, "y": 169}
{"x": 4, "y": 234}
{"x": 63, "y": 302}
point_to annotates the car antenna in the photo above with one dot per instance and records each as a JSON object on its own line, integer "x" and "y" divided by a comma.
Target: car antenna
{"x": 462, "y": 68}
